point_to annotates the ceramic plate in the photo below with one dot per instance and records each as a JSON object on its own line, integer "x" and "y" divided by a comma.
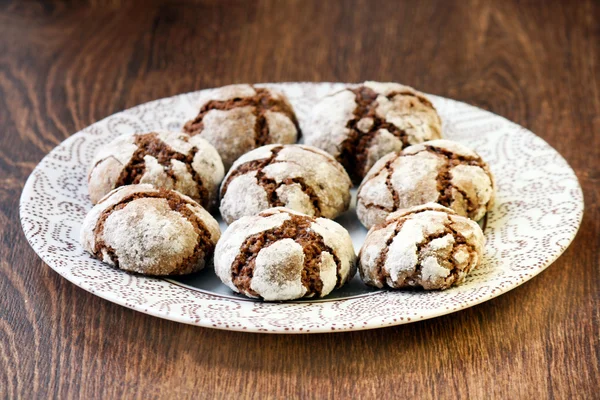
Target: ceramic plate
{"x": 536, "y": 215}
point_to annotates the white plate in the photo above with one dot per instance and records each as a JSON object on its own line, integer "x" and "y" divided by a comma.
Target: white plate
{"x": 538, "y": 210}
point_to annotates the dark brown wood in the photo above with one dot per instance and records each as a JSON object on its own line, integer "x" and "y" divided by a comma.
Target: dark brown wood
{"x": 64, "y": 65}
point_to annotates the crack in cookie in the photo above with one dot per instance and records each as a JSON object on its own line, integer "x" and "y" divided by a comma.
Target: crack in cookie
{"x": 149, "y": 144}
{"x": 261, "y": 102}
{"x": 444, "y": 172}
{"x": 381, "y": 272}
{"x": 459, "y": 239}
{"x": 415, "y": 277}
{"x": 270, "y": 185}
{"x": 254, "y": 165}
{"x": 412, "y": 211}
{"x": 353, "y": 150}
{"x": 390, "y": 185}
{"x": 204, "y": 248}
{"x": 444, "y": 177}
{"x": 297, "y": 228}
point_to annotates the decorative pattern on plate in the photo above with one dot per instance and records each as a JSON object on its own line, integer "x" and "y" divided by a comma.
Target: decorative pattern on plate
{"x": 538, "y": 209}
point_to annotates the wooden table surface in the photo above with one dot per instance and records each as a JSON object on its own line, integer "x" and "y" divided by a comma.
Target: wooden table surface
{"x": 65, "y": 65}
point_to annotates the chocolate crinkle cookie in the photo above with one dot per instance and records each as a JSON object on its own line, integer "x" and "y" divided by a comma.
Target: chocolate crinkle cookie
{"x": 281, "y": 254}
{"x": 360, "y": 125}
{"x": 440, "y": 171}
{"x": 302, "y": 178}
{"x": 427, "y": 246}
{"x": 168, "y": 160}
{"x": 140, "y": 228}
{"x": 239, "y": 118}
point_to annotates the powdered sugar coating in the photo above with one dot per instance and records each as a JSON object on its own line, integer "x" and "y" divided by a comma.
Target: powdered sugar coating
{"x": 359, "y": 128}
{"x": 383, "y": 143}
{"x": 278, "y": 271}
{"x": 230, "y": 92}
{"x": 299, "y": 177}
{"x": 281, "y": 128}
{"x": 279, "y": 265}
{"x": 448, "y": 145}
{"x": 244, "y": 193}
{"x": 136, "y": 229}
{"x": 293, "y": 197}
{"x": 328, "y": 272}
{"x": 434, "y": 171}
{"x": 238, "y": 118}
{"x": 427, "y": 246}
{"x": 229, "y": 246}
{"x": 208, "y": 165}
{"x": 329, "y": 119}
{"x": 197, "y": 173}
{"x": 230, "y": 131}
{"x": 108, "y": 164}
{"x": 336, "y": 236}
{"x": 165, "y": 240}
{"x": 256, "y": 154}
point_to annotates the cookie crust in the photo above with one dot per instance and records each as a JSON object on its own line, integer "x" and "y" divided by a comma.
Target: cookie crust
{"x": 164, "y": 159}
{"x": 303, "y": 178}
{"x": 438, "y": 171}
{"x": 427, "y": 246}
{"x": 281, "y": 254}
{"x": 142, "y": 229}
{"x": 240, "y": 118}
{"x": 360, "y": 125}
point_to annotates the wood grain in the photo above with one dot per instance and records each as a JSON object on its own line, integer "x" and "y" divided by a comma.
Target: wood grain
{"x": 65, "y": 65}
